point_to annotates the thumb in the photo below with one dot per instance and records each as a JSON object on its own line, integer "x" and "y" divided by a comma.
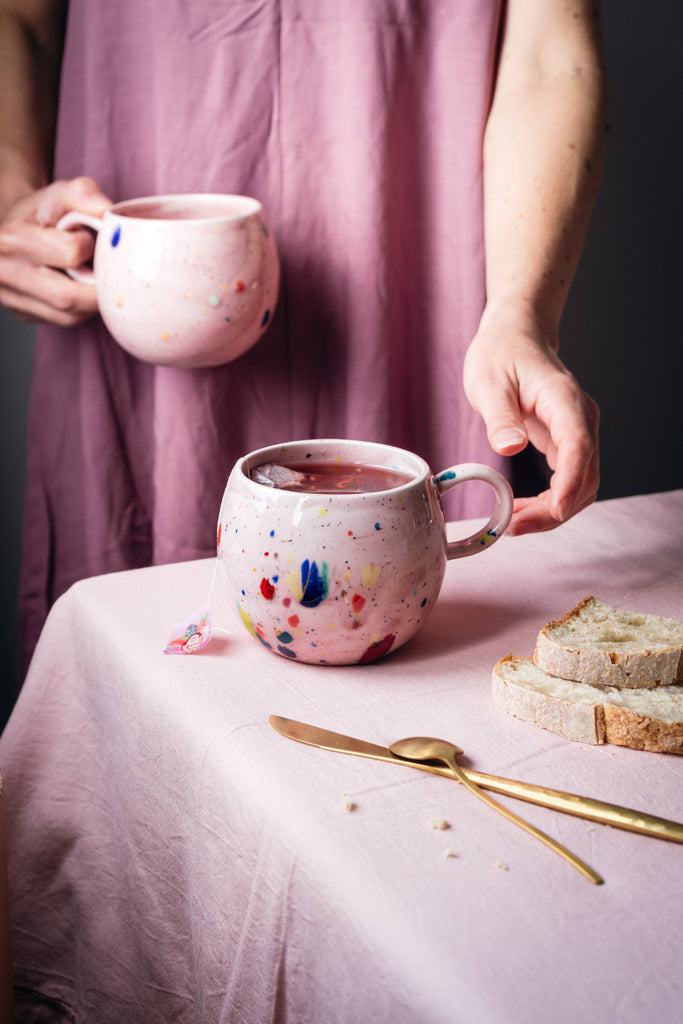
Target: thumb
{"x": 507, "y": 434}
{"x": 86, "y": 195}
{"x": 498, "y": 405}
{"x": 82, "y": 194}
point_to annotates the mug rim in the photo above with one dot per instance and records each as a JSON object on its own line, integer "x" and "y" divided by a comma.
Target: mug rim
{"x": 253, "y": 206}
{"x": 257, "y": 457}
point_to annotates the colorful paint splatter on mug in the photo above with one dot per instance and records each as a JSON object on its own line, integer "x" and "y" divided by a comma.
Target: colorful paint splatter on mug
{"x": 342, "y": 578}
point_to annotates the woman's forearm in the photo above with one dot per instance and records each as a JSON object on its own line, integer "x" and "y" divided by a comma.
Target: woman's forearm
{"x": 31, "y": 38}
{"x": 542, "y": 157}
{"x": 33, "y": 253}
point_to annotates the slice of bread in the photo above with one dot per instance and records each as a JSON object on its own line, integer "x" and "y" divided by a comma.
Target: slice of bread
{"x": 603, "y": 646}
{"x": 638, "y": 718}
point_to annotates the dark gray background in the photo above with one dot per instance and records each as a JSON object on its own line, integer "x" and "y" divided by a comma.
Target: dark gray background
{"x": 621, "y": 333}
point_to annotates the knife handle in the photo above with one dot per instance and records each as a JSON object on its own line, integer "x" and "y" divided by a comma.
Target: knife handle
{"x": 581, "y": 806}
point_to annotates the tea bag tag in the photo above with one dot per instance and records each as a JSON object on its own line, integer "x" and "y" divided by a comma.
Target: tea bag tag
{"x": 194, "y": 633}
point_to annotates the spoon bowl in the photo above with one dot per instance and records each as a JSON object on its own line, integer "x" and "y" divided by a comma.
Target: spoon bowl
{"x": 426, "y": 748}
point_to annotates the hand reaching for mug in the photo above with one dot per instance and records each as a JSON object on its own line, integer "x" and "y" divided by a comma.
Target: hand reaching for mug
{"x": 33, "y": 253}
{"x": 517, "y": 383}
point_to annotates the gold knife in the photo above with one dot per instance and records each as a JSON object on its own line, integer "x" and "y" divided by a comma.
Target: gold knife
{"x": 569, "y": 803}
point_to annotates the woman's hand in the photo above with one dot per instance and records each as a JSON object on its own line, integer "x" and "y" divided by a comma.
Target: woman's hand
{"x": 522, "y": 390}
{"x": 34, "y": 254}
{"x": 543, "y": 151}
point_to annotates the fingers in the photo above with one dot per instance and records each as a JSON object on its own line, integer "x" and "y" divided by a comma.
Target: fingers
{"x": 571, "y": 419}
{"x": 531, "y": 515}
{"x": 26, "y": 241}
{"x": 52, "y": 297}
{"x": 33, "y": 253}
{"x": 524, "y": 393}
{"x": 534, "y": 515}
{"x": 574, "y": 484}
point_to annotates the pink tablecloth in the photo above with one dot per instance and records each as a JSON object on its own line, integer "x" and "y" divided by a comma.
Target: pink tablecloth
{"x": 172, "y": 858}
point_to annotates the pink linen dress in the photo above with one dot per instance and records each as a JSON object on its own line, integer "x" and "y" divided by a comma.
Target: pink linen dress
{"x": 358, "y": 124}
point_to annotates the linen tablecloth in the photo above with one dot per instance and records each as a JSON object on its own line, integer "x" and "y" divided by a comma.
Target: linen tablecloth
{"x": 171, "y": 858}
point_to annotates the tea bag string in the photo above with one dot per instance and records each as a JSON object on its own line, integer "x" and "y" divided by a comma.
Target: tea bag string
{"x": 195, "y": 631}
{"x": 216, "y": 629}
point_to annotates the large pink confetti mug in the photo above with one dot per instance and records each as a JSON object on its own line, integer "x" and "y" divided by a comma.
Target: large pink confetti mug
{"x": 183, "y": 280}
{"x": 348, "y": 571}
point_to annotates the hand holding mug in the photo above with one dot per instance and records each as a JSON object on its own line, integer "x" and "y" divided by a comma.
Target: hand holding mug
{"x": 34, "y": 254}
{"x": 186, "y": 280}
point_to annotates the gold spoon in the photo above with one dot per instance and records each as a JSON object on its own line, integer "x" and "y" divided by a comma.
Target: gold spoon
{"x": 424, "y": 748}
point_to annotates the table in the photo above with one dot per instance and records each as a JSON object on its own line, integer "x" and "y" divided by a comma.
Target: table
{"x": 172, "y": 858}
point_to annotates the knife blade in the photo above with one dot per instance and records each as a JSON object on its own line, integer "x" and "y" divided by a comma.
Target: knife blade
{"x": 568, "y": 803}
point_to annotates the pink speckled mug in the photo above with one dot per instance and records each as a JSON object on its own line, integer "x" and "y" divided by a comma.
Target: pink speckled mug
{"x": 183, "y": 280}
{"x": 342, "y": 577}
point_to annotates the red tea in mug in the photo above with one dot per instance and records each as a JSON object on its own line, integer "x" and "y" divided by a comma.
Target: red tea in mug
{"x": 335, "y": 477}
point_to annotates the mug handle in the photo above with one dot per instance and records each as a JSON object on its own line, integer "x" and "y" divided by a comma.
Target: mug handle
{"x": 75, "y": 219}
{"x": 500, "y": 517}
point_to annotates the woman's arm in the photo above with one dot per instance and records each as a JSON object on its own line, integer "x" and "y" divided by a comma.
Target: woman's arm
{"x": 542, "y": 165}
{"x": 31, "y": 39}
{"x": 31, "y": 36}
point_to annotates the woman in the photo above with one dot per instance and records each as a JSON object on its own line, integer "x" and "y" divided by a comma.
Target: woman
{"x": 428, "y": 171}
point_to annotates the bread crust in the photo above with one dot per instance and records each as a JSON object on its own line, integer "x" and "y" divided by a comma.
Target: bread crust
{"x": 645, "y": 668}
{"x": 582, "y": 723}
{"x": 515, "y": 689}
{"x": 627, "y": 728}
